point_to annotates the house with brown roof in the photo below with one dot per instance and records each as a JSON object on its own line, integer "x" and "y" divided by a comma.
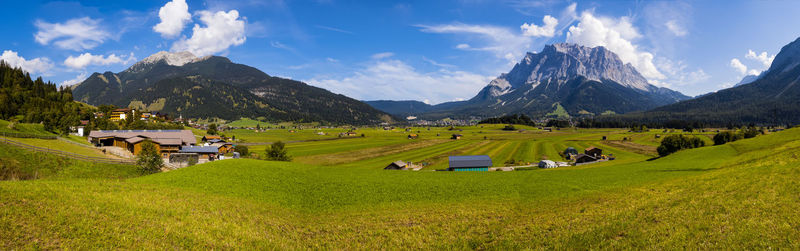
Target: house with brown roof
{"x": 593, "y": 151}
{"x": 166, "y": 141}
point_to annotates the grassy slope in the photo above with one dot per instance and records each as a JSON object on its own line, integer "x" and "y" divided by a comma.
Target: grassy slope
{"x": 740, "y": 195}
{"x": 26, "y": 164}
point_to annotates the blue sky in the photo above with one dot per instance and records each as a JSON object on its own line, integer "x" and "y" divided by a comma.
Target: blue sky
{"x": 433, "y": 51}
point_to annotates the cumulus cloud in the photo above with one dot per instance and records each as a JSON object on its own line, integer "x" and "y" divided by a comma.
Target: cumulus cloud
{"x": 400, "y": 81}
{"x": 37, "y": 65}
{"x": 548, "y": 29}
{"x": 222, "y": 30}
{"x": 174, "y": 16}
{"x": 75, "y": 34}
{"x": 382, "y": 55}
{"x": 502, "y": 42}
{"x": 616, "y": 35}
{"x": 87, "y": 59}
{"x": 764, "y": 58}
{"x": 675, "y": 28}
{"x": 75, "y": 80}
{"x": 678, "y": 74}
{"x": 736, "y": 64}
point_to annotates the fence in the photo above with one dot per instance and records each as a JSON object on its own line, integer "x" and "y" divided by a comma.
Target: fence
{"x": 67, "y": 154}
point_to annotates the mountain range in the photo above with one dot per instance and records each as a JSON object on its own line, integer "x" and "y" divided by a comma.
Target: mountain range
{"x": 180, "y": 83}
{"x": 578, "y": 79}
{"x": 772, "y": 98}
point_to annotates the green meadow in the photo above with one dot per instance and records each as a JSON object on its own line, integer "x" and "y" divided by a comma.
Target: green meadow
{"x": 335, "y": 195}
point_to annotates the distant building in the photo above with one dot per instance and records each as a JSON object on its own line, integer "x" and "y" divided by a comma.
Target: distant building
{"x": 208, "y": 138}
{"x": 456, "y": 136}
{"x": 120, "y": 114}
{"x": 413, "y": 136}
{"x": 223, "y": 147}
{"x": 583, "y": 158}
{"x": 397, "y": 165}
{"x": 469, "y": 163}
{"x": 593, "y": 151}
{"x": 208, "y": 152}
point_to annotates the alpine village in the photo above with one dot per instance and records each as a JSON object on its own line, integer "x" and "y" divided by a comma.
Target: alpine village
{"x": 586, "y": 138}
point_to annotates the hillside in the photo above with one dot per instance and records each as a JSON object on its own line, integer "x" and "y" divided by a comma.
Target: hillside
{"x": 400, "y": 108}
{"x": 740, "y": 196}
{"x": 214, "y": 86}
{"x": 773, "y": 98}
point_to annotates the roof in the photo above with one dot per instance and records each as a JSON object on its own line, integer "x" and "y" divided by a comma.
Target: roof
{"x": 122, "y": 110}
{"x": 210, "y": 137}
{"x": 470, "y": 161}
{"x": 164, "y": 137}
{"x": 218, "y": 145}
{"x": 399, "y": 163}
{"x": 199, "y": 149}
{"x": 216, "y": 140}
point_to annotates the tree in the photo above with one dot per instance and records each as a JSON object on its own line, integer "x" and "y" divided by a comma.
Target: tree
{"x": 149, "y": 159}
{"x": 212, "y": 129}
{"x": 277, "y": 151}
{"x": 674, "y": 143}
{"x": 242, "y": 150}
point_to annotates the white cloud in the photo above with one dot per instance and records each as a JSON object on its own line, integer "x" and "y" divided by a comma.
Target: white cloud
{"x": 332, "y": 60}
{"x": 87, "y": 59}
{"x": 36, "y": 65}
{"x": 548, "y": 29}
{"x": 675, "y": 28}
{"x": 75, "y": 34}
{"x": 382, "y": 55}
{"x": 678, "y": 74}
{"x": 75, "y": 80}
{"x": 174, "y": 16}
{"x": 616, "y": 35}
{"x": 736, "y": 64}
{"x": 393, "y": 79}
{"x": 764, "y": 58}
{"x": 500, "y": 41}
{"x": 222, "y": 30}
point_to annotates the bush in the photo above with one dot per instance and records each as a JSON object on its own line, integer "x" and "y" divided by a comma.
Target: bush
{"x": 149, "y": 161}
{"x": 674, "y": 143}
{"x": 509, "y": 128}
{"x": 277, "y": 151}
{"x": 242, "y": 150}
{"x": 725, "y": 137}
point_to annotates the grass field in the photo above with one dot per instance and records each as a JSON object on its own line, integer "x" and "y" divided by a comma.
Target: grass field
{"x": 742, "y": 195}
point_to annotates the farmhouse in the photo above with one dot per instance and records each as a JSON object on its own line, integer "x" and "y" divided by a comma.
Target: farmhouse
{"x": 223, "y": 147}
{"x": 469, "y": 163}
{"x": 413, "y": 136}
{"x": 167, "y": 141}
{"x": 456, "y": 136}
{"x": 593, "y": 151}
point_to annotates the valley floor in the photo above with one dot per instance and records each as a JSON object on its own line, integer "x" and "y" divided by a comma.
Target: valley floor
{"x": 742, "y": 195}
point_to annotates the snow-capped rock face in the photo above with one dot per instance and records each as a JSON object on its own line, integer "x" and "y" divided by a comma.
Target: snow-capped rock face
{"x": 170, "y": 58}
{"x": 562, "y": 62}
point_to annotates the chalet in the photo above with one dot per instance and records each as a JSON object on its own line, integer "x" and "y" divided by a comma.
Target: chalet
{"x": 456, "y": 136}
{"x": 469, "y": 163}
{"x": 205, "y": 152}
{"x": 593, "y": 151}
{"x": 413, "y": 136}
{"x": 208, "y": 138}
{"x": 167, "y": 141}
{"x": 146, "y": 115}
{"x": 583, "y": 158}
{"x": 120, "y": 114}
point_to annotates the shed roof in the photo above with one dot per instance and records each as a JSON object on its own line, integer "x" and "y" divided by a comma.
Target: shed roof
{"x": 199, "y": 149}
{"x": 470, "y": 161}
